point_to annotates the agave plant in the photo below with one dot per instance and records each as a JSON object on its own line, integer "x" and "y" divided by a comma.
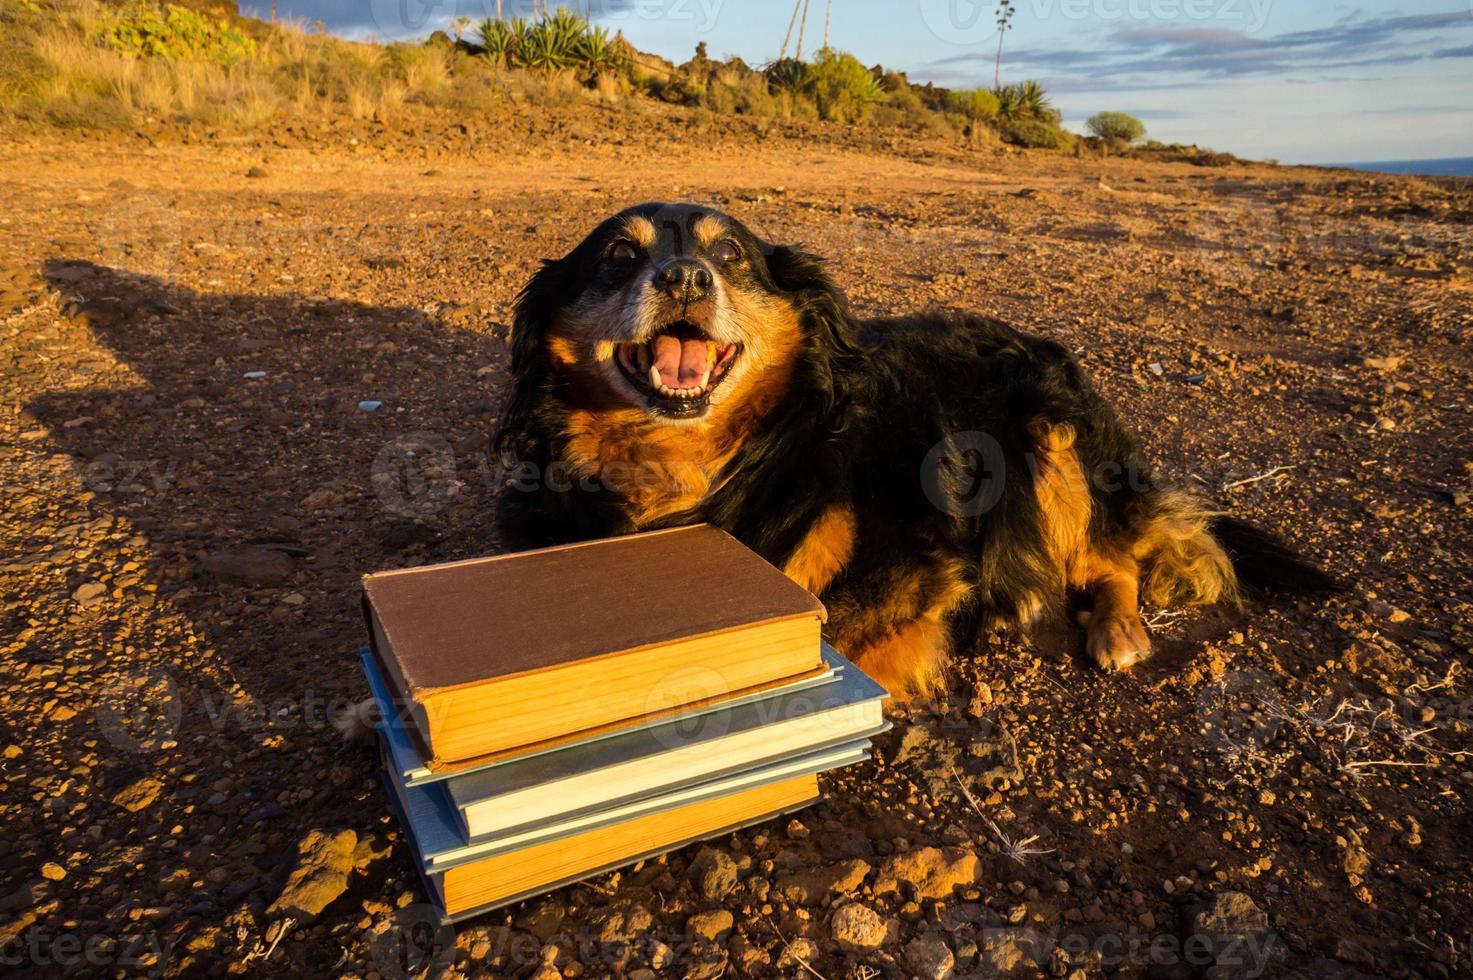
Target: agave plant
{"x": 553, "y": 43}
{"x": 502, "y": 39}
{"x": 788, "y": 75}
{"x": 1036, "y": 102}
{"x": 566, "y": 27}
{"x": 1009, "y": 101}
{"x": 598, "y": 52}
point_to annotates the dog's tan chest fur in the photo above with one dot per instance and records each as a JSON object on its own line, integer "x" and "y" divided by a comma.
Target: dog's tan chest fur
{"x": 657, "y": 470}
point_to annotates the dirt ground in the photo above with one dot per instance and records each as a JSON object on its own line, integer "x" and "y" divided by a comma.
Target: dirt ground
{"x": 241, "y": 372}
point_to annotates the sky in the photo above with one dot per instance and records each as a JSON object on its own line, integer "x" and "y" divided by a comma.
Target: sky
{"x": 1301, "y": 81}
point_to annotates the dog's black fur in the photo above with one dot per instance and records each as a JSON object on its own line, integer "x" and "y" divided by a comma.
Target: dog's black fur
{"x": 860, "y": 426}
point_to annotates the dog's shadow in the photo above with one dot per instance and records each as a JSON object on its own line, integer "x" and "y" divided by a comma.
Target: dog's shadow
{"x": 246, "y": 459}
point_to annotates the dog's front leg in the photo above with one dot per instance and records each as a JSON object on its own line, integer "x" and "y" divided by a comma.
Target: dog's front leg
{"x": 894, "y": 624}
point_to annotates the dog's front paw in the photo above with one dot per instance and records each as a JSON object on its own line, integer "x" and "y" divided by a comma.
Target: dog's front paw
{"x": 1117, "y": 642}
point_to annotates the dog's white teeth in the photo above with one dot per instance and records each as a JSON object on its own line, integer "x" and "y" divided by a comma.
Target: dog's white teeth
{"x": 705, "y": 380}
{"x": 655, "y": 381}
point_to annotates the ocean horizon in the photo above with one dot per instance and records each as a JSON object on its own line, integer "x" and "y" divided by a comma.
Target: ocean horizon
{"x": 1443, "y": 167}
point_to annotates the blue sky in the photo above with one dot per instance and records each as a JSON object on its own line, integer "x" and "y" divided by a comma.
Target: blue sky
{"x": 1302, "y": 81}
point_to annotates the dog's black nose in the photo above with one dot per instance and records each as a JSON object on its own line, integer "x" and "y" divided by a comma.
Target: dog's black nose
{"x": 684, "y": 279}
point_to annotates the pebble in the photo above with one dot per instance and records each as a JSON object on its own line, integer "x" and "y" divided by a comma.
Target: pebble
{"x": 929, "y": 957}
{"x": 714, "y": 873}
{"x": 857, "y": 926}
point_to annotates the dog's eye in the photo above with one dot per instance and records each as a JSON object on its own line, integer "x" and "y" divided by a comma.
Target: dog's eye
{"x": 621, "y": 252}
{"x": 727, "y": 251}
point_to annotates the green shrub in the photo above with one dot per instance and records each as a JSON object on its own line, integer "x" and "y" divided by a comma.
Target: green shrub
{"x": 973, "y": 103}
{"x": 1035, "y": 133}
{"x": 842, "y": 87}
{"x": 1116, "y": 127}
{"x": 144, "y": 30}
{"x": 743, "y": 93}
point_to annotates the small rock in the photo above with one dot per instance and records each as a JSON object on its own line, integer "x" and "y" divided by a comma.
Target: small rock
{"x": 89, "y": 593}
{"x": 799, "y": 955}
{"x": 934, "y": 872}
{"x": 711, "y": 925}
{"x": 857, "y": 926}
{"x": 1386, "y": 611}
{"x": 1236, "y": 933}
{"x": 324, "y": 862}
{"x": 52, "y": 871}
{"x": 253, "y": 375}
{"x": 1156, "y": 368}
{"x": 255, "y": 173}
{"x": 811, "y": 886}
{"x": 714, "y": 873}
{"x": 249, "y": 566}
{"x": 620, "y": 923}
{"x": 139, "y": 794}
{"x": 929, "y": 957}
{"x": 543, "y": 920}
{"x": 1352, "y": 952}
{"x": 796, "y": 830}
{"x": 370, "y": 405}
{"x": 1004, "y": 952}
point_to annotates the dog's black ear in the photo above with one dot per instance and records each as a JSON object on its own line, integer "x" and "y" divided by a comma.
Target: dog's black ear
{"x": 531, "y": 370}
{"x": 824, "y": 305}
{"x": 536, "y": 303}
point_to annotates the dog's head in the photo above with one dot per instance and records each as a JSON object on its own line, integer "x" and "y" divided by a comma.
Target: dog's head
{"x": 674, "y": 310}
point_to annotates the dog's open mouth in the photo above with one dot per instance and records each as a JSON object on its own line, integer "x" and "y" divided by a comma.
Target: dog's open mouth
{"x": 678, "y": 368}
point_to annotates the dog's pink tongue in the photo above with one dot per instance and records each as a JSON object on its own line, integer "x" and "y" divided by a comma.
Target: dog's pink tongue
{"x": 680, "y": 362}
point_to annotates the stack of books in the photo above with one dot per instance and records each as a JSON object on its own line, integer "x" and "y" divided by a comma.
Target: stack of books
{"x": 554, "y": 714}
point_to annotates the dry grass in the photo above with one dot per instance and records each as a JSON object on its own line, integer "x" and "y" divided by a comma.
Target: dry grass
{"x": 56, "y": 68}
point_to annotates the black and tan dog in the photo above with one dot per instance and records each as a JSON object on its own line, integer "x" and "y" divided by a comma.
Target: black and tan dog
{"x": 918, "y": 473}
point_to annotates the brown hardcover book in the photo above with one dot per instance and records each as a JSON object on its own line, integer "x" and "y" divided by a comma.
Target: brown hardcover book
{"x": 494, "y": 654}
{"x": 493, "y": 879}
